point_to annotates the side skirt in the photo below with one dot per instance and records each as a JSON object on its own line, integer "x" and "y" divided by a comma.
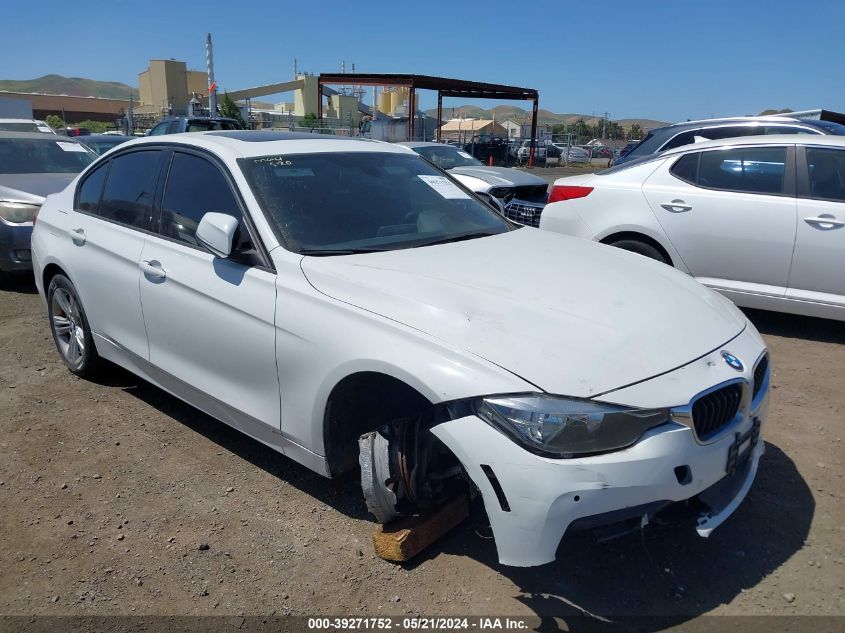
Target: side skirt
{"x": 254, "y": 428}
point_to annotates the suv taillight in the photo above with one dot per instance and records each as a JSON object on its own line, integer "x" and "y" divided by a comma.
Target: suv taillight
{"x": 568, "y": 192}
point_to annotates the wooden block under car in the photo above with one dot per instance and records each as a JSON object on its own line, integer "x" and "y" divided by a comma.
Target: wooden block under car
{"x": 406, "y": 537}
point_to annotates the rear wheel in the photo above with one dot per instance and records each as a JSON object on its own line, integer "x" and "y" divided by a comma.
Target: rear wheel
{"x": 70, "y": 328}
{"x": 641, "y": 248}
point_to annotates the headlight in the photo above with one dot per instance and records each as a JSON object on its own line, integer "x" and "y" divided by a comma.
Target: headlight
{"x": 18, "y": 212}
{"x": 567, "y": 427}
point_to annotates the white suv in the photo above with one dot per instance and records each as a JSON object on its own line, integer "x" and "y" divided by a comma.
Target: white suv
{"x": 345, "y": 302}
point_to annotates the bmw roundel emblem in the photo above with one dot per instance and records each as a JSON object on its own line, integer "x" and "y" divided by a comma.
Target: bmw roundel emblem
{"x": 732, "y": 361}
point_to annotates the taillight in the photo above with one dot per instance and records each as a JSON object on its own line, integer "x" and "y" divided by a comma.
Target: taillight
{"x": 568, "y": 192}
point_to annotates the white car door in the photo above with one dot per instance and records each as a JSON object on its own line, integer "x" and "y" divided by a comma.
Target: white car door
{"x": 730, "y": 214}
{"x": 113, "y": 211}
{"x": 209, "y": 321}
{"x": 819, "y": 259}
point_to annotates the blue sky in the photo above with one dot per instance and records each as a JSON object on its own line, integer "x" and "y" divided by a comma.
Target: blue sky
{"x": 668, "y": 60}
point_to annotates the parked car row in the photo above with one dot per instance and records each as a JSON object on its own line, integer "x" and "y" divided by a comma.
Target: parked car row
{"x": 363, "y": 309}
{"x": 759, "y": 218}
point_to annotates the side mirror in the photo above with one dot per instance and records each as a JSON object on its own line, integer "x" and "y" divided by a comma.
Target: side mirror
{"x": 216, "y": 232}
{"x": 492, "y": 201}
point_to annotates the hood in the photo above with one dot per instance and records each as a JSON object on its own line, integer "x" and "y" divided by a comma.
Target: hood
{"x": 32, "y": 187}
{"x": 570, "y": 316}
{"x": 499, "y": 176}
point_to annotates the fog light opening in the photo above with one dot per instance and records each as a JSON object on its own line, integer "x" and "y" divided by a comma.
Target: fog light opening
{"x": 683, "y": 474}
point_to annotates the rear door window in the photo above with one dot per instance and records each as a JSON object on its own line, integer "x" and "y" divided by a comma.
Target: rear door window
{"x": 130, "y": 187}
{"x": 826, "y": 173}
{"x": 747, "y": 169}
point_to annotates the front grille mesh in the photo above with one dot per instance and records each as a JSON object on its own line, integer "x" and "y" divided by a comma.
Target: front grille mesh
{"x": 760, "y": 375}
{"x": 529, "y": 215}
{"x": 716, "y": 409}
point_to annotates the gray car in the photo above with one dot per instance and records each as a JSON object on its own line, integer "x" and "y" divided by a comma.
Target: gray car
{"x": 680, "y": 134}
{"x": 521, "y": 194}
{"x": 32, "y": 166}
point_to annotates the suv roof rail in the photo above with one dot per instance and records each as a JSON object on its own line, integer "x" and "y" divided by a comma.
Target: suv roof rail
{"x": 767, "y": 117}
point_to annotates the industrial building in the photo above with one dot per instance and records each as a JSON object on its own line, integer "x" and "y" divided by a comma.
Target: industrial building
{"x": 167, "y": 86}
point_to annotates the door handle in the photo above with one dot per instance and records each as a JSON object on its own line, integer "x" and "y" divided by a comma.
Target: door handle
{"x": 824, "y": 221}
{"x": 677, "y": 206}
{"x": 153, "y": 269}
{"x": 78, "y": 236}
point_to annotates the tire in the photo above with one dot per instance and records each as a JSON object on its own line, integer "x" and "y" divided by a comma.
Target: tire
{"x": 377, "y": 482}
{"x": 70, "y": 329}
{"x": 641, "y": 248}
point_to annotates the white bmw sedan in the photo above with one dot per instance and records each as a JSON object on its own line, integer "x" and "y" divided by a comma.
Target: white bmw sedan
{"x": 348, "y": 304}
{"x": 761, "y": 219}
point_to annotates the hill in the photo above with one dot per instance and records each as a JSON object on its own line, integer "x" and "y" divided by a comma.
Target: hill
{"x": 72, "y": 86}
{"x": 520, "y": 115}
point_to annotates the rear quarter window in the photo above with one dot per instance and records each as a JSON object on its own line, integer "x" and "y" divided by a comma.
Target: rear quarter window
{"x": 91, "y": 189}
{"x": 686, "y": 168}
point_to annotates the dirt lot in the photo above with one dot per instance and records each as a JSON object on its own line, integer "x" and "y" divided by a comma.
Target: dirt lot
{"x": 120, "y": 499}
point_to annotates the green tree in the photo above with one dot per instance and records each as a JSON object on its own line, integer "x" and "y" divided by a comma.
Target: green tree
{"x": 309, "y": 120}
{"x": 230, "y": 109}
{"x": 635, "y": 132}
{"x": 54, "y": 121}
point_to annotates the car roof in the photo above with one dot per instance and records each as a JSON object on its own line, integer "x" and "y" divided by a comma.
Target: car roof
{"x": 760, "y": 139}
{"x": 244, "y": 143}
{"x": 41, "y": 136}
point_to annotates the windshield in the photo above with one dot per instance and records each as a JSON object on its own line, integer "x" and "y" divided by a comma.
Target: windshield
{"x": 447, "y": 156}
{"x": 101, "y": 146}
{"x": 341, "y": 203}
{"x": 23, "y": 126}
{"x": 43, "y": 156}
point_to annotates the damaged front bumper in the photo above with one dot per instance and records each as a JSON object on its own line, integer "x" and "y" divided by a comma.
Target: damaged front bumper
{"x": 532, "y": 500}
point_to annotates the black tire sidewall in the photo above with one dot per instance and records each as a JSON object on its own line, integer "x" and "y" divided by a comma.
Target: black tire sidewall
{"x": 89, "y": 355}
{"x": 640, "y": 248}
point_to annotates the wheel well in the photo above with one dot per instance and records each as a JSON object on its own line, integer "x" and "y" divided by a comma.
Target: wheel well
{"x": 364, "y": 402}
{"x": 50, "y": 271}
{"x": 645, "y": 239}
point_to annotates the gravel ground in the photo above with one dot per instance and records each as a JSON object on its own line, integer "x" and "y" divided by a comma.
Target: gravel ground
{"x": 119, "y": 499}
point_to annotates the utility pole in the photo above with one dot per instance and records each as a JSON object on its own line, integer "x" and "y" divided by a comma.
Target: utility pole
{"x": 212, "y": 85}
{"x": 130, "y": 124}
